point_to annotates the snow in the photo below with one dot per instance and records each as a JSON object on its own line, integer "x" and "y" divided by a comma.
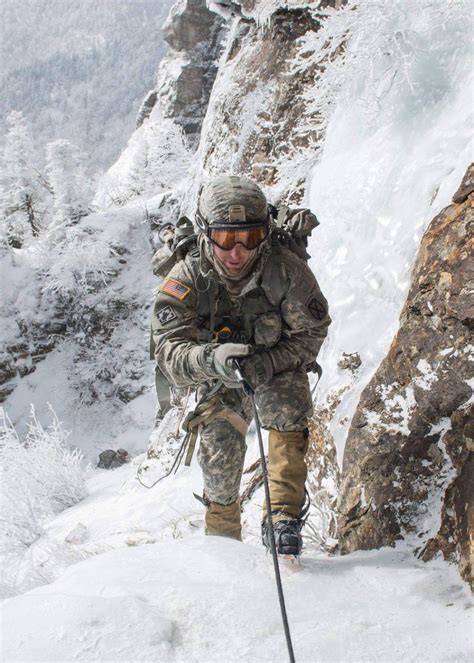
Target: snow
{"x": 428, "y": 375}
{"x": 446, "y": 351}
{"x": 93, "y": 428}
{"x": 392, "y": 159}
{"x": 155, "y": 160}
{"x": 395, "y": 416}
{"x": 429, "y": 513}
{"x": 187, "y": 598}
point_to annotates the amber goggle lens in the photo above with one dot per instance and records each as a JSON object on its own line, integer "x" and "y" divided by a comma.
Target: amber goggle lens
{"x": 249, "y": 236}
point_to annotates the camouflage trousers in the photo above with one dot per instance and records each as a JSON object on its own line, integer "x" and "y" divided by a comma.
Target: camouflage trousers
{"x": 284, "y": 404}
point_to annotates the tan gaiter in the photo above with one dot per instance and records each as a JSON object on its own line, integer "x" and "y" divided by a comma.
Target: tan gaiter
{"x": 224, "y": 520}
{"x": 286, "y": 471}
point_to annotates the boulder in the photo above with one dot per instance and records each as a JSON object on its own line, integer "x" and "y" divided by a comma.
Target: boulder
{"x": 408, "y": 465}
{"x": 110, "y": 459}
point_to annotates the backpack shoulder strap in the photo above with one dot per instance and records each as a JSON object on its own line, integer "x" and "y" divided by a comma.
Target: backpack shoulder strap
{"x": 274, "y": 282}
{"x": 282, "y": 216}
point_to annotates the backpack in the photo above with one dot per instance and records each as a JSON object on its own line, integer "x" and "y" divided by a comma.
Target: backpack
{"x": 176, "y": 241}
{"x": 291, "y": 228}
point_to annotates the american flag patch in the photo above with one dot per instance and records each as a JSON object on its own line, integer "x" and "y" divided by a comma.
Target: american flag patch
{"x": 175, "y": 289}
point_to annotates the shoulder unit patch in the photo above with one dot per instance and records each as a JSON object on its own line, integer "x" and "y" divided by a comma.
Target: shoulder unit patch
{"x": 166, "y": 314}
{"x": 317, "y": 309}
{"x": 175, "y": 289}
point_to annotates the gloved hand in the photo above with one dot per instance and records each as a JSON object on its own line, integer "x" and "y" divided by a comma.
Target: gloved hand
{"x": 223, "y": 361}
{"x": 257, "y": 369}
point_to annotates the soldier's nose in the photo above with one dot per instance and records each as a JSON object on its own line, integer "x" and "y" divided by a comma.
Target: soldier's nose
{"x": 238, "y": 251}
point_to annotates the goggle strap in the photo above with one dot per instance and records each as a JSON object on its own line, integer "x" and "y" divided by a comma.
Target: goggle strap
{"x": 237, "y": 226}
{"x": 201, "y": 222}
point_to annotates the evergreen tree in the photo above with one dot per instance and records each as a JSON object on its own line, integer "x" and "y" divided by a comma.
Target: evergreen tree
{"x": 168, "y": 157}
{"x": 158, "y": 157}
{"x": 71, "y": 190}
{"x": 22, "y": 187}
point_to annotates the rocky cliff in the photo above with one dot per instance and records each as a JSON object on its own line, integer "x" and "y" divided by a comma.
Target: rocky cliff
{"x": 408, "y": 462}
{"x": 187, "y": 74}
{"x": 259, "y": 121}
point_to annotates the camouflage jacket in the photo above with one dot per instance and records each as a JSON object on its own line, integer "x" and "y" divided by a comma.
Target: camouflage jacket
{"x": 282, "y": 312}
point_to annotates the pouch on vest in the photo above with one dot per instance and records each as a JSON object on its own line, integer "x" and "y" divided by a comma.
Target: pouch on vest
{"x": 267, "y": 331}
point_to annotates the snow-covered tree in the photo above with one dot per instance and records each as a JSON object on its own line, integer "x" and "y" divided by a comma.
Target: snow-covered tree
{"x": 168, "y": 154}
{"x": 157, "y": 159}
{"x": 41, "y": 476}
{"x": 22, "y": 187}
{"x": 71, "y": 189}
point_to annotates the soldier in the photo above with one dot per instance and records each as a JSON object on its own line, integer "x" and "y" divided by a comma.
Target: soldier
{"x": 240, "y": 295}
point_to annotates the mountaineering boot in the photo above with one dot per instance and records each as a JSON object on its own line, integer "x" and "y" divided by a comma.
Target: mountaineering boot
{"x": 287, "y": 471}
{"x": 286, "y": 478}
{"x": 287, "y": 532}
{"x": 223, "y": 520}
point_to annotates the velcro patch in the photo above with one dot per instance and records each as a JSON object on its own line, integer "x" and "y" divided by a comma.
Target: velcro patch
{"x": 175, "y": 289}
{"x": 166, "y": 314}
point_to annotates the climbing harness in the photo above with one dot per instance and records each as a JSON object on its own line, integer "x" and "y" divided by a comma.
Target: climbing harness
{"x": 208, "y": 409}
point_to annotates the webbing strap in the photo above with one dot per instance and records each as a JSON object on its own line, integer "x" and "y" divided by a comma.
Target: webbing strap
{"x": 191, "y": 446}
{"x": 213, "y": 411}
{"x": 198, "y": 417}
{"x": 235, "y": 419}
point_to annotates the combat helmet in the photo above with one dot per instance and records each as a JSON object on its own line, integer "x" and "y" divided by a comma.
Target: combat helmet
{"x": 233, "y": 209}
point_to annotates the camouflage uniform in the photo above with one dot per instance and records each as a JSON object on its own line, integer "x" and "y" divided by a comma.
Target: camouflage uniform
{"x": 280, "y": 311}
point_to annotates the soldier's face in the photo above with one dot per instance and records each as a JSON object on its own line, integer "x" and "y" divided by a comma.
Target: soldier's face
{"x": 235, "y": 259}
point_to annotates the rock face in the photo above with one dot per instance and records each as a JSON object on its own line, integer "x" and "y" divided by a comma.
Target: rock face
{"x": 188, "y": 71}
{"x": 408, "y": 464}
{"x": 259, "y": 119}
{"x": 33, "y": 342}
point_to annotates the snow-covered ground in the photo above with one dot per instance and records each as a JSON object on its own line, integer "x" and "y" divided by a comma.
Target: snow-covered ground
{"x": 162, "y": 591}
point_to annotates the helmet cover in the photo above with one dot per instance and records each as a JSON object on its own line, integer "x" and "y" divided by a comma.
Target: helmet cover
{"x": 232, "y": 199}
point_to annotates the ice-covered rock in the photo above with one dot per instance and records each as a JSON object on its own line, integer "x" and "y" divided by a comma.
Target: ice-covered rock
{"x": 407, "y": 467}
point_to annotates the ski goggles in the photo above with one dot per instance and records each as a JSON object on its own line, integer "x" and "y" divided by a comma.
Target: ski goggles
{"x": 227, "y": 236}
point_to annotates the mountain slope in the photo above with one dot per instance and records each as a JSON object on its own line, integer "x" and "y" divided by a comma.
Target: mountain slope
{"x": 197, "y": 598}
{"x": 79, "y": 71}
